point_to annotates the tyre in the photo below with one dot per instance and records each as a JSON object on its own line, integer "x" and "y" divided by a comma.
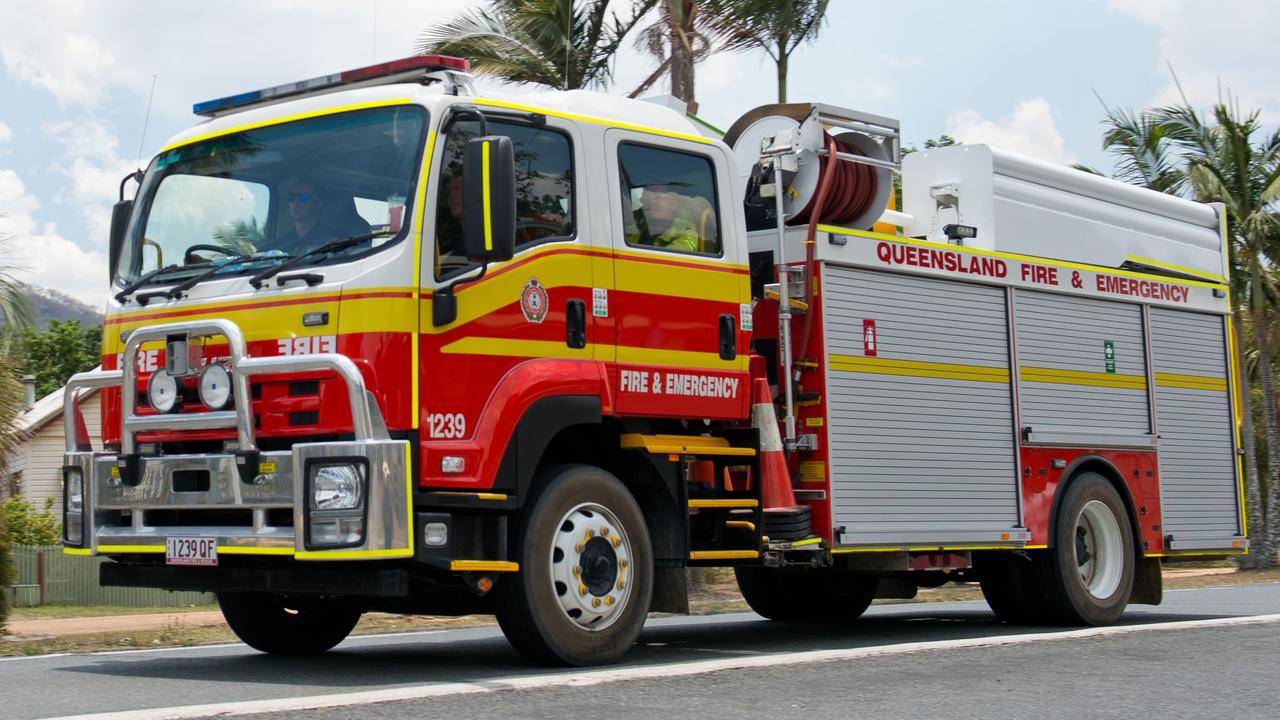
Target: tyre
{"x": 287, "y": 625}
{"x": 586, "y": 571}
{"x": 805, "y": 596}
{"x": 1012, "y": 589}
{"x": 1087, "y": 574}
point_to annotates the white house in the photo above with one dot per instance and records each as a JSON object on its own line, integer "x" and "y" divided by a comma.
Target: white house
{"x": 35, "y": 467}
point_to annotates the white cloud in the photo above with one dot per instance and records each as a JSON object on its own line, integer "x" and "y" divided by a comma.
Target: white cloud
{"x": 93, "y": 170}
{"x": 1214, "y": 48}
{"x": 6, "y": 133}
{"x": 1030, "y": 130}
{"x": 39, "y": 255}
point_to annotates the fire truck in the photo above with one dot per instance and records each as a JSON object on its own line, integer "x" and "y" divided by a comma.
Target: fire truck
{"x": 380, "y": 342}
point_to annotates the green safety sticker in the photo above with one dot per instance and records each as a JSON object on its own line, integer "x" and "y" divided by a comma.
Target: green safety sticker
{"x": 1109, "y": 354}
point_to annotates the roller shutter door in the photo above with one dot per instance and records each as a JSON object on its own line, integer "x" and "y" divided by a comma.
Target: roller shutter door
{"x": 921, "y": 434}
{"x": 1198, "y": 484}
{"x": 1065, "y": 382}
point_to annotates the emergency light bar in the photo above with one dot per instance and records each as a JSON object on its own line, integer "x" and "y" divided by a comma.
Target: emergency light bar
{"x": 388, "y": 72}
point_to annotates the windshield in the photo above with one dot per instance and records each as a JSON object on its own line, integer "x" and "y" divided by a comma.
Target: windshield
{"x": 277, "y": 191}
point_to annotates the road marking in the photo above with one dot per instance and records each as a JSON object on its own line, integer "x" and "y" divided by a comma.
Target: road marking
{"x": 578, "y": 678}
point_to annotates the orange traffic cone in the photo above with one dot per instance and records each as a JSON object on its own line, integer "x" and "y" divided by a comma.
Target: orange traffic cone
{"x": 775, "y": 478}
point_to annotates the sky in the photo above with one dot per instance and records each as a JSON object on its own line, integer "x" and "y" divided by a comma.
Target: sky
{"x": 1026, "y": 75}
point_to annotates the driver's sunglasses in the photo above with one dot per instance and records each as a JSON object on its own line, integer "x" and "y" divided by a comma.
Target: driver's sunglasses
{"x": 303, "y": 198}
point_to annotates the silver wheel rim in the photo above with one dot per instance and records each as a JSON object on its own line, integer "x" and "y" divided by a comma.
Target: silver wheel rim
{"x": 1099, "y": 550}
{"x": 590, "y": 563}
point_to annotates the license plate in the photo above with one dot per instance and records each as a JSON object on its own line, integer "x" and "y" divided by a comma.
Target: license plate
{"x": 190, "y": 551}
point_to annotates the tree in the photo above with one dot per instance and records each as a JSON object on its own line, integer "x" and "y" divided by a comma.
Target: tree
{"x": 777, "y": 27}
{"x": 28, "y": 526}
{"x": 560, "y": 43}
{"x": 59, "y": 352}
{"x": 241, "y": 237}
{"x": 677, "y": 42}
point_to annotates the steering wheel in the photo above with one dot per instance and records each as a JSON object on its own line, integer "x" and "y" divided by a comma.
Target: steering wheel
{"x": 188, "y": 254}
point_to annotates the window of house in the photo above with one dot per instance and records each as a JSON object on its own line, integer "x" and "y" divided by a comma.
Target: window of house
{"x": 544, "y": 188}
{"x": 669, "y": 200}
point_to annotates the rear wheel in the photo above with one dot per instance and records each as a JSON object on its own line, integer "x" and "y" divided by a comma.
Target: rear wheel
{"x": 1087, "y": 574}
{"x": 805, "y": 596}
{"x": 287, "y": 625}
{"x": 586, "y": 571}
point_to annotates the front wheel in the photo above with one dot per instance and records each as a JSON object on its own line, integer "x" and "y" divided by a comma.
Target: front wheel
{"x": 1088, "y": 572}
{"x": 586, "y": 571}
{"x": 285, "y": 625}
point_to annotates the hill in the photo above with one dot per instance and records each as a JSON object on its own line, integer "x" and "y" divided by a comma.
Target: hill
{"x": 50, "y": 304}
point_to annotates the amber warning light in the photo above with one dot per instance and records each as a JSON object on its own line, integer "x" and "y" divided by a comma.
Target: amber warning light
{"x": 403, "y": 69}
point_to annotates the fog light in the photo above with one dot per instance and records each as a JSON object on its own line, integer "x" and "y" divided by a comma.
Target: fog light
{"x": 435, "y": 534}
{"x": 215, "y": 387}
{"x": 162, "y": 391}
{"x": 337, "y": 487}
{"x": 453, "y": 464}
{"x": 337, "y": 531}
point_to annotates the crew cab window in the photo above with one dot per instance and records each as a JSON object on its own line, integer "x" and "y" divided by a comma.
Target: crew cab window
{"x": 669, "y": 200}
{"x": 544, "y": 188}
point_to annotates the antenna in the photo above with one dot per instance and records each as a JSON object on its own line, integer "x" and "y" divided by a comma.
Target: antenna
{"x": 568, "y": 40}
{"x": 146, "y": 118}
{"x": 375, "y": 31}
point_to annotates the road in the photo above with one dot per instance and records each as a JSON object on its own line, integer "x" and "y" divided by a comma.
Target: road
{"x": 937, "y": 660}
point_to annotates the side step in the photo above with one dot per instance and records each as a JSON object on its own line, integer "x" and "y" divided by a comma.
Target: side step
{"x": 683, "y": 445}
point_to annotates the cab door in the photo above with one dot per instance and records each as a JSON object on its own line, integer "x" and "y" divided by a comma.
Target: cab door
{"x": 681, "y": 286}
{"x": 521, "y": 309}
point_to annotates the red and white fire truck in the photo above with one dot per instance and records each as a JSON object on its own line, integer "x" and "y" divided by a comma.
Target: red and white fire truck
{"x": 378, "y": 342}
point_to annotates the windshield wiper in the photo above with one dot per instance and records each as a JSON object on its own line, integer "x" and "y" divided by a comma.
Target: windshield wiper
{"x": 332, "y": 246}
{"x": 176, "y": 291}
{"x": 128, "y": 290}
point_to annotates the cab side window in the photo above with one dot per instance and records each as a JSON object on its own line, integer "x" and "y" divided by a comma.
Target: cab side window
{"x": 669, "y": 200}
{"x": 544, "y": 188}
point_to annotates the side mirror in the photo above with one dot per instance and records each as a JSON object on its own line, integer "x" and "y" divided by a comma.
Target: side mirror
{"x": 489, "y": 199}
{"x": 119, "y": 223}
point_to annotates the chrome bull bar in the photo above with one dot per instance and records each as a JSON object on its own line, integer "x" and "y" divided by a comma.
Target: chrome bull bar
{"x": 366, "y": 421}
{"x": 132, "y": 503}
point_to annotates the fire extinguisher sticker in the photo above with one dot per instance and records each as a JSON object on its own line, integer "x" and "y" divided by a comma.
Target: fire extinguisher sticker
{"x": 869, "y": 341}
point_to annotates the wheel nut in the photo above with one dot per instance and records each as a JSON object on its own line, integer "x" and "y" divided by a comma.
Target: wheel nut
{"x": 608, "y": 600}
{"x": 590, "y": 533}
{"x": 604, "y": 531}
{"x": 582, "y": 590}
{"x": 622, "y": 564}
{"x": 621, "y": 585}
{"x": 595, "y": 602}
{"x": 617, "y": 542}
{"x": 578, "y": 548}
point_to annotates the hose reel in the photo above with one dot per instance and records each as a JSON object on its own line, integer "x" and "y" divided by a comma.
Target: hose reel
{"x": 863, "y": 147}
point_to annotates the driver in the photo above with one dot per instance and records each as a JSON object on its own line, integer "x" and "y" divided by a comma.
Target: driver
{"x": 307, "y": 229}
{"x": 661, "y": 206}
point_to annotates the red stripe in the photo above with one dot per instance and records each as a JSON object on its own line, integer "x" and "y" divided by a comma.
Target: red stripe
{"x": 255, "y": 305}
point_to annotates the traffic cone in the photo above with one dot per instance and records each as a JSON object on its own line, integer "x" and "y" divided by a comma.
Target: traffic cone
{"x": 775, "y": 478}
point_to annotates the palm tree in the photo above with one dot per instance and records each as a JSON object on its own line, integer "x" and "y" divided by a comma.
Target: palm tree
{"x": 1141, "y": 144}
{"x": 560, "y": 43}
{"x": 677, "y": 42}
{"x": 1225, "y": 165}
{"x": 241, "y": 237}
{"x": 15, "y": 314}
{"x": 777, "y": 27}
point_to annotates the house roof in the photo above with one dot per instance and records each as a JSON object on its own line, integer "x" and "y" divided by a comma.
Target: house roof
{"x": 46, "y": 409}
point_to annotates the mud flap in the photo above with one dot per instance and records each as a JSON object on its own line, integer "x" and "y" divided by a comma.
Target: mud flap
{"x": 670, "y": 591}
{"x": 1148, "y": 583}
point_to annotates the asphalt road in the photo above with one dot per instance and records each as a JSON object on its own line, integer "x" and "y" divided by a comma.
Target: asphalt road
{"x": 938, "y": 660}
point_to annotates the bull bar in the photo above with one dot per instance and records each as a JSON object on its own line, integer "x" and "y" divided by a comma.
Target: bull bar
{"x": 252, "y": 502}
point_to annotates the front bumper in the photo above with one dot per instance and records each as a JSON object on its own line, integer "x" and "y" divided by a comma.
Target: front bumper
{"x": 251, "y": 502}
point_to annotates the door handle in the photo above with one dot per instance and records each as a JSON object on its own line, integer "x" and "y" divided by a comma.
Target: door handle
{"x": 728, "y": 337}
{"x": 575, "y": 326}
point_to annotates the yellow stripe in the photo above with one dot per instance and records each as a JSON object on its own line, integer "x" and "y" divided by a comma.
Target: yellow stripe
{"x": 594, "y": 120}
{"x": 130, "y": 548}
{"x": 287, "y": 119}
{"x": 1080, "y": 377}
{"x": 915, "y": 368}
{"x": 724, "y": 554}
{"x": 680, "y": 358}
{"x": 502, "y": 347}
{"x": 242, "y": 550}
{"x": 353, "y": 554}
{"x": 1237, "y": 417}
{"x": 1012, "y": 256}
{"x": 721, "y": 503}
{"x": 1178, "y": 268}
{"x": 484, "y": 566}
{"x": 76, "y": 551}
{"x": 1191, "y": 382}
{"x": 484, "y": 178}
{"x": 931, "y": 548}
{"x": 741, "y": 525}
{"x": 810, "y": 541}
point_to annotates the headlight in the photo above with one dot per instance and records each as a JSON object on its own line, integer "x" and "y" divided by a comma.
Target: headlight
{"x": 75, "y": 492}
{"x": 337, "y": 487}
{"x": 73, "y": 506}
{"x": 215, "y": 387}
{"x": 162, "y": 391}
